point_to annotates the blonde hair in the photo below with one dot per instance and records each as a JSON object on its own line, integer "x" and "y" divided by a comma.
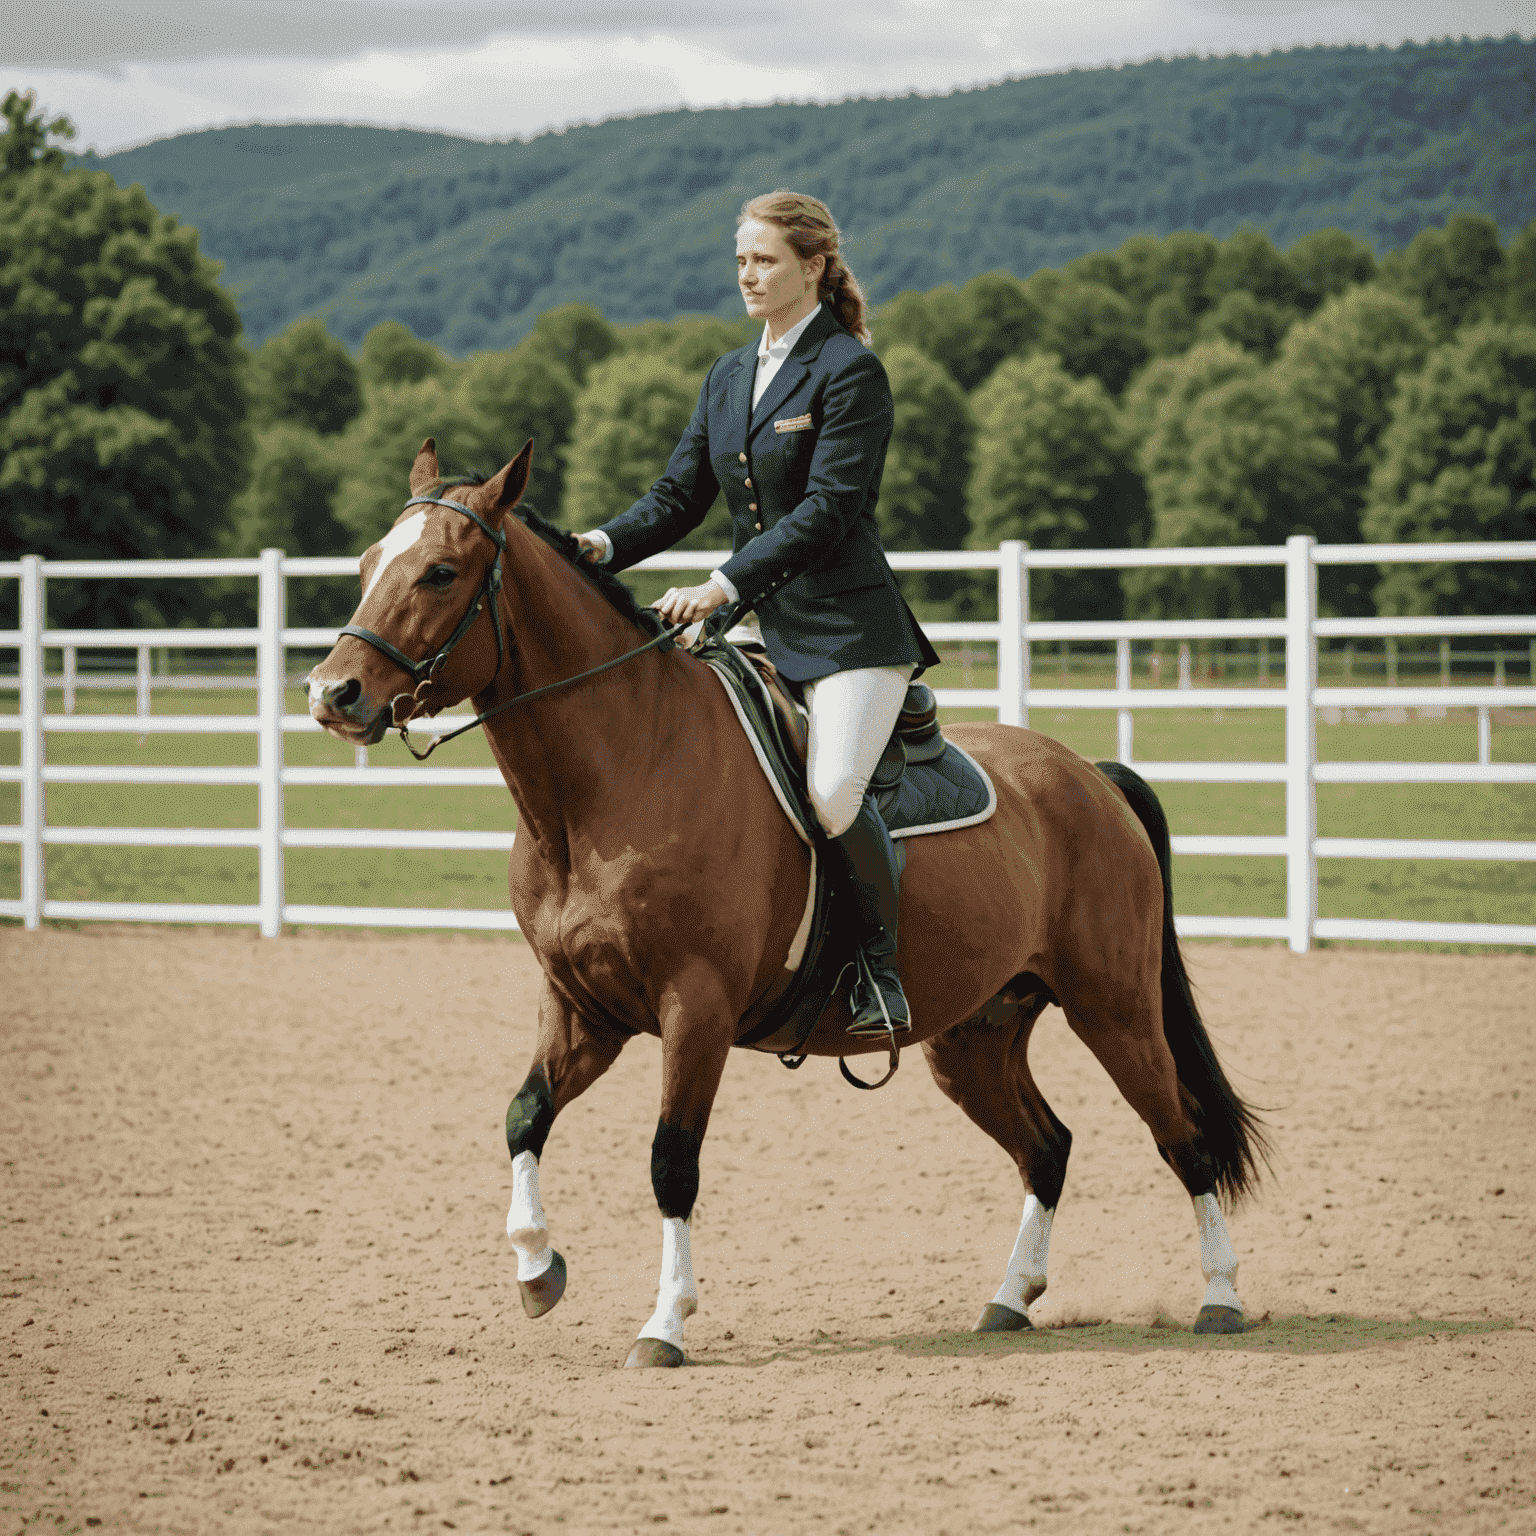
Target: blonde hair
{"x": 811, "y": 230}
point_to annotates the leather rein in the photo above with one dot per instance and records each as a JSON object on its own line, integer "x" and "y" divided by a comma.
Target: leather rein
{"x": 424, "y": 673}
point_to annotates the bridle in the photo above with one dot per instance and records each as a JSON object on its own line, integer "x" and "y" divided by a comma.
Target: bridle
{"x": 424, "y": 673}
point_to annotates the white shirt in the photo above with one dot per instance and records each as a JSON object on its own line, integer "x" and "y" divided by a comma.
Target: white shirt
{"x": 770, "y": 358}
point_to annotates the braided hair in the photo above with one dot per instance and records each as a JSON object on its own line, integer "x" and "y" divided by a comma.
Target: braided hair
{"x": 811, "y": 230}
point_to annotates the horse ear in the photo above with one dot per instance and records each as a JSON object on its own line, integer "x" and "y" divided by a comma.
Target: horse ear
{"x": 424, "y": 471}
{"x": 505, "y": 489}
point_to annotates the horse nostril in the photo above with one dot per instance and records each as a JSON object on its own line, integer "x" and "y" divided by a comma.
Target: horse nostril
{"x": 340, "y": 695}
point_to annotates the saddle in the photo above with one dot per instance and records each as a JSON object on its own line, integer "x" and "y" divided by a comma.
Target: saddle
{"x": 923, "y": 784}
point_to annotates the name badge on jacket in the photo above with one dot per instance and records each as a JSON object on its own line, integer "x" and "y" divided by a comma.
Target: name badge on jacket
{"x": 794, "y": 423}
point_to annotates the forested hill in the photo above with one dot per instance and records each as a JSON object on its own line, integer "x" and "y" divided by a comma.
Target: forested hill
{"x": 467, "y": 242}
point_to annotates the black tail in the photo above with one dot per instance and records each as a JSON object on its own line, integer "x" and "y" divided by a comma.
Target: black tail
{"x": 1233, "y": 1134}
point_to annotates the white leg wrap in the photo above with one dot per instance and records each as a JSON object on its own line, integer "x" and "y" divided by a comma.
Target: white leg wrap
{"x": 1218, "y": 1259}
{"x": 1024, "y": 1281}
{"x": 677, "y": 1297}
{"x": 526, "y": 1225}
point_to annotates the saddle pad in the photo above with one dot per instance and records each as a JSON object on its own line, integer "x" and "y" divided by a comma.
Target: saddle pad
{"x": 950, "y": 792}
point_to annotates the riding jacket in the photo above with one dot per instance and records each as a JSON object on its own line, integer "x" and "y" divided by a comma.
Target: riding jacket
{"x": 801, "y": 477}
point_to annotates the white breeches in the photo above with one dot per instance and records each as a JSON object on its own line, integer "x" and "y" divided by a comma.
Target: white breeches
{"x": 852, "y": 717}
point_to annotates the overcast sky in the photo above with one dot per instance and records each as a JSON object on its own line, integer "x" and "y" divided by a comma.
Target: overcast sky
{"x": 130, "y": 70}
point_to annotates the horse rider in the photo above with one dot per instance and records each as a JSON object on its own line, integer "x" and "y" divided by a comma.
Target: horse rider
{"x": 794, "y": 429}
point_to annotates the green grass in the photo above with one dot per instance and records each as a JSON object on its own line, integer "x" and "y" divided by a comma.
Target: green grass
{"x": 1425, "y": 890}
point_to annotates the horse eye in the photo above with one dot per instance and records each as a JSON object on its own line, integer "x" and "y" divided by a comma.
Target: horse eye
{"x": 440, "y": 576}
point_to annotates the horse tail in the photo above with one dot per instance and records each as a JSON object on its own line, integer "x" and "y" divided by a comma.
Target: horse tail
{"x": 1231, "y": 1131}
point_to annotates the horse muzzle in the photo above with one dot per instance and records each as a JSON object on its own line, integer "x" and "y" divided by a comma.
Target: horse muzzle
{"x": 346, "y": 712}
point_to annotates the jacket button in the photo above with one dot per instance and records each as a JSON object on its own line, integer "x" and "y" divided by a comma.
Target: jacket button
{"x": 748, "y": 483}
{"x": 751, "y": 506}
{"x": 742, "y": 457}
{"x": 758, "y": 526}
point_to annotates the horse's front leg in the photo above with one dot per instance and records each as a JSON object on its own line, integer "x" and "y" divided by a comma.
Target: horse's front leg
{"x": 571, "y": 1056}
{"x": 697, "y": 1026}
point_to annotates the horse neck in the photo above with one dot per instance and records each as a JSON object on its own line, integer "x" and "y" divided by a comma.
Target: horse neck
{"x": 565, "y": 755}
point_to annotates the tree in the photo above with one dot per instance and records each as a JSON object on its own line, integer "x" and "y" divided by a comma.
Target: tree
{"x": 1257, "y": 325}
{"x": 1456, "y": 273}
{"x": 629, "y": 418}
{"x": 1458, "y": 462}
{"x": 937, "y": 323}
{"x": 1090, "y": 328}
{"x": 1326, "y": 263}
{"x": 393, "y": 355}
{"x": 512, "y": 396}
{"x": 1520, "y": 277}
{"x": 1342, "y": 366}
{"x": 576, "y": 336}
{"x": 1000, "y": 322}
{"x": 122, "y": 394}
{"x": 1053, "y": 466}
{"x": 922, "y": 491}
{"x": 24, "y": 145}
{"x": 305, "y": 375}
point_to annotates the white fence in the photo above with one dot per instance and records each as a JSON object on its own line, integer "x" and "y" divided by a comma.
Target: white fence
{"x": 1301, "y": 699}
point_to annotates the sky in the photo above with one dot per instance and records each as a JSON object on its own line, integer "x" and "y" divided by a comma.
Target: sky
{"x": 127, "y": 71}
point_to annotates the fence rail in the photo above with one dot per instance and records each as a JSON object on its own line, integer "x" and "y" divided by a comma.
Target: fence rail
{"x": 1300, "y": 697}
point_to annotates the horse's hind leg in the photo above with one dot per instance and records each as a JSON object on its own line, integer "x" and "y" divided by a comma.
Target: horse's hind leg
{"x": 1130, "y": 1043}
{"x": 983, "y": 1065}
{"x": 571, "y": 1056}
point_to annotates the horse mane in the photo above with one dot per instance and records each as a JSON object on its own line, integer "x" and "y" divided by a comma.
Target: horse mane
{"x": 613, "y": 591}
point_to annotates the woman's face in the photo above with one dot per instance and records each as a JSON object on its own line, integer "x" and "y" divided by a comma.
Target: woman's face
{"x": 773, "y": 279}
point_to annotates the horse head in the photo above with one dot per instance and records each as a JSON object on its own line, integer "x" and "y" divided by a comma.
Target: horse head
{"x": 428, "y": 631}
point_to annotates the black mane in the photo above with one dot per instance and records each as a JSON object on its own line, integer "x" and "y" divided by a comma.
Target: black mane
{"x": 616, "y": 594}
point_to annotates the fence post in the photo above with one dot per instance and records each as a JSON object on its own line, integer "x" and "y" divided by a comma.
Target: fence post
{"x": 33, "y": 701}
{"x": 1300, "y": 741}
{"x": 269, "y": 751}
{"x": 1013, "y": 633}
{"x": 1125, "y": 743}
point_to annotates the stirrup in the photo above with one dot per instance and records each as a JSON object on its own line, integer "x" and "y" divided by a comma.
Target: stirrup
{"x": 885, "y": 1027}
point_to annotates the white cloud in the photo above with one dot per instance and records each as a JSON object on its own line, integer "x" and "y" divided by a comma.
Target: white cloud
{"x": 500, "y": 68}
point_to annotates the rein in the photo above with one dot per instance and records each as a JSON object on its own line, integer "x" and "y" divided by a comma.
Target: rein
{"x": 424, "y": 673}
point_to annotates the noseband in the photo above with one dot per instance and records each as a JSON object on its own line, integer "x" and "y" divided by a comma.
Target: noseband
{"x": 424, "y": 673}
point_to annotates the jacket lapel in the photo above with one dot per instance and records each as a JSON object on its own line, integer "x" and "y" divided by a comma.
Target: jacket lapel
{"x": 738, "y": 396}
{"x": 795, "y": 370}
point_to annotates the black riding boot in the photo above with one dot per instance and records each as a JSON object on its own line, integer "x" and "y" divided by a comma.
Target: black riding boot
{"x": 871, "y": 869}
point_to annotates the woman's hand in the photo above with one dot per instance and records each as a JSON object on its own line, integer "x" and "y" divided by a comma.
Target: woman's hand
{"x": 591, "y": 549}
{"x": 687, "y": 605}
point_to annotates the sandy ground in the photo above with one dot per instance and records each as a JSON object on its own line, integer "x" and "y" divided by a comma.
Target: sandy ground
{"x": 255, "y": 1276}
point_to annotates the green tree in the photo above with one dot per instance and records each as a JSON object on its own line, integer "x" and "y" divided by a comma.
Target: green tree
{"x": 305, "y": 375}
{"x": 1247, "y": 262}
{"x": 24, "y": 145}
{"x": 1520, "y": 277}
{"x": 1257, "y": 325}
{"x": 1455, "y": 273}
{"x": 1090, "y": 328}
{"x": 576, "y": 336}
{"x": 1458, "y": 462}
{"x": 922, "y": 492}
{"x": 393, "y": 355}
{"x": 1157, "y": 405}
{"x": 937, "y": 323}
{"x": 1327, "y": 262}
{"x": 1342, "y": 367}
{"x": 1000, "y": 322}
{"x": 122, "y": 397}
{"x": 512, "y": 396}
{"x": 629, "y": 418}
{"x": 1053, "y": 466}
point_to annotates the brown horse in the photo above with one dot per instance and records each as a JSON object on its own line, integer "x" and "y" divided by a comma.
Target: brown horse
{"x": 661, "y": 888}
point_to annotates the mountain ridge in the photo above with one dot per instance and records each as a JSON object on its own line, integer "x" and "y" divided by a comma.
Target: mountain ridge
{"x": 468, "y": 240}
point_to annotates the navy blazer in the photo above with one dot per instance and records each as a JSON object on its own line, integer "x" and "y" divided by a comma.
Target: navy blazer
{"x": 801, "y": 476}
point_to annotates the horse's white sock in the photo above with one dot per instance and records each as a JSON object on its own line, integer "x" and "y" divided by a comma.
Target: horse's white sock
{"x": 677, "y": 1297}
{"x": 1218, "y": 1258}
{"x": 1024, "y": 1280}
{"x": 526, "y": 1225}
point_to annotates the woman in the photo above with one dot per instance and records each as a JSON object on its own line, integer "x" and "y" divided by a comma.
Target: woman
{"x": 794, "y": 429}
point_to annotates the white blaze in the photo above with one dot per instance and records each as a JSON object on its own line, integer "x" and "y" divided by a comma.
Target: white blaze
{"x": 526, "y": 1225}
{"x": 396, "y": 541}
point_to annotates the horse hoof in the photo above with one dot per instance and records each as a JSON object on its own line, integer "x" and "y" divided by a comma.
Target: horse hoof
{"x": 999, "y": 1319}
{"x": 541, "y": 1294}
{"x": 655, "y": 1352}
{"x": 1219, "y": 1320}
